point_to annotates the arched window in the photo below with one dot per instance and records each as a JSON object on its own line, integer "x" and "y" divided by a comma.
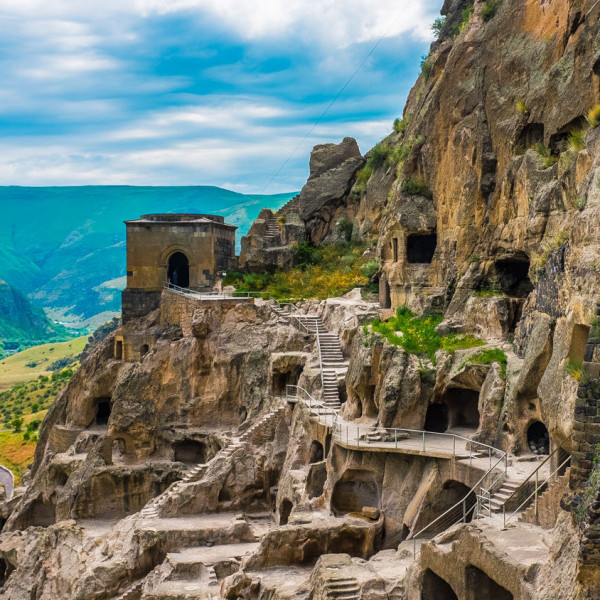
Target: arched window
{"x": 178, "y": 272}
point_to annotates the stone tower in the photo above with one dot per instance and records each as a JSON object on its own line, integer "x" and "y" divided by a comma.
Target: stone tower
{"x": 184, "y": 250}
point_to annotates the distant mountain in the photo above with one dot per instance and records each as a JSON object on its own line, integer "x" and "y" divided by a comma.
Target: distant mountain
{"x": 22, "y": 324}
{"x": 65, "y": 246}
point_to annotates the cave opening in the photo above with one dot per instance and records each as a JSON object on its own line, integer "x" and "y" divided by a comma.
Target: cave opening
{"x": 103, "y": 410}
{"x": 385, "y": 296}
{"x": 6, "y": 569}
{"x": 463, "y": 408}
{"x": 354, "y": 490}
{"x": 436, "y": 419}
{"x": 511, "y": 277}
{"x": 144, "y": 349}
{"x": 420, "y": 247}
{"x": 436, "y": 588}
{"x": 281, "y": 379}
{"x": 316, "y": 452}
{"x": 480, "y": 586}
{"x": 190, "y": 452}
{"x": 42, "y": 513}
{"x": 119, "y": 350}
{"x": 596, "y": 67}
{"x": 579, "y": 340}
{"x": 538, "y": 438}
{"x": 284, "y": 512}
{"x": 531, "y": 134}
{"x": 559, "y": 141}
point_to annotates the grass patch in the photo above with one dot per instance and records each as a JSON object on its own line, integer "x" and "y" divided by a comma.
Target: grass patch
{"x": 487, "y": 357}
{"x": 488, "y": 293}
{"x": 547, "y": 159}
{"x": 427, "y": 67}
{"x": 379, "y": 155}
{"x": 400, "y": 125}
{"x": 416, "y": 186}
{"x": 576, "y": 141}
{"x": 521, "y": 107}
{"x": 14, "y": 369}
{"x": 417, "y": 335}
{"x": 321, "y": 272}
{"x": 362, "y": 178}
{"x": 593, "y": 117}
{"x": 575, "y": 369}
{"x": 580, "y": 202}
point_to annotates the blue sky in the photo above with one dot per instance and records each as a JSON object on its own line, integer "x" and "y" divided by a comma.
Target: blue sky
{"x": 185, "y": 92}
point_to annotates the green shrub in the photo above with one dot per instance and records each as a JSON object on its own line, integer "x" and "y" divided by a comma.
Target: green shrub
{"x": 521, "y": 107}
{"x": 576, "y": 141}
{"x": 438, "y": 25}
{"x": 282, "y": 219}
{"x": 415, "y": 186}
{"x": 546, "y": 157}
{"x": 487, "y": 357}
{"x": 488, "y": 293}
{"x": 370, "y": 269}
{"x": 417, "y": 335}
{"x": 593, "y": 117}
{"x": 305, "y": 254}
{"x": 467, "y": 12}
{"x": 362, "y": 178}
{"x": 580, "y": 202}
{"x": 427, "y": 67}
{"x": 16, "y": 424}
{"x": 379, "y": 155}
{"x": 31, "y": 364}
{"x": 400, "y": 125}
{"x": 345, "y": 227}
{"x": 575, "y": 369}
{"x": 490, "y": 8}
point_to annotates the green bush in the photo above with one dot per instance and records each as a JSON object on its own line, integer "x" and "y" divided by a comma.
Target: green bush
{"x": 427, "y": 67}
{"x": 417, "y": 335}
{"x": 363, "y": 177}
{"x": 593, "y": 117}
{"x": 379, "y": 155}
{"x": 487, "y": 357}
{"x": 580, "y": 202}
{"x": 438, "y": 26}
{"x": 345, "y": 227}
{"x": 521, "y": 107}
{"x": 400, "y": 125}
{"x": 490, "y": 8}
{"x": 370, "y": 269}
{"x": 575, "y": 369}
{"x": 547, "y": 158}
{"x": 305, "y": 254}
{"x": 16, "y": 424}
{"x": 415, "y": 186}
{"x": 576, "y": 141}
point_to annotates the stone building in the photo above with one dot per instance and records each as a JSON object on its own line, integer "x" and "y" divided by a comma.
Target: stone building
{"x": 185, "y": 250}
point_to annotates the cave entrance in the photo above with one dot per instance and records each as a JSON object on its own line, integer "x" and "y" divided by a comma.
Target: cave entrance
{"x": 531, "y": 134}
{"x": 511, "y": 277}
{"x": 284, "y": 512}
{"x": 178, "y": 272}
{"x": 144, "y": 349}
{"x": 119, "y": 350}
{"x": 103, "y": 410}
{"x": 42, "y": 513}
{"x": 463, "y": 408}
{"x": 436, "y": 419}
{"x": 480, "y": 586}
{"x": 420, "y": 247}
{"x": 385, "y": 296}
{"x": 316, "y": 452}
{"x": 436, "y": 588}
{"x": 190, "y": 452}
{"x": 538, "y": 438}
{"x": 353, "y": 491}
{"x": 5, "y": 570}
{"x": 559, "y": 141}
{"x": 281, "y": 379}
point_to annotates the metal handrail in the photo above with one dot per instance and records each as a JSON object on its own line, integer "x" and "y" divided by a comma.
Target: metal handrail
{"x": 320, "y": 357}
{"x": 536, "y": 491}
{"x": 460, "y": 503}
{"x": 314, "y": 406}
{"x": 213, "y": 294}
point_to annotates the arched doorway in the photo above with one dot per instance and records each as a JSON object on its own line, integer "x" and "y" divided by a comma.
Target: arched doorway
{"x": 436, "y": 419}
{"x": 178, "y": 272}
{"x": 538, "y": 438}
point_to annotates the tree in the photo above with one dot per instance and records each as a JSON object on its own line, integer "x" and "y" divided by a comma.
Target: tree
{"x": 17, "y": 423}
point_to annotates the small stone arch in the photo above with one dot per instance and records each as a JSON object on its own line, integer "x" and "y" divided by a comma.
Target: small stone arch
{"x": 144, "y": 349}
{"x": 316, "y": 452}
{"x": 165, "y": 257}
{"x": 356, "y": 488}
{"x": 538, "y": 438}
{"x": 178, "y": 270}
{"x": 480, "y": 586}
{"x": 436, "y": 588}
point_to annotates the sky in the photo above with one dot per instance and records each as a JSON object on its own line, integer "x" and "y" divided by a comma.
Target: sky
{"x": 198, "y": 92}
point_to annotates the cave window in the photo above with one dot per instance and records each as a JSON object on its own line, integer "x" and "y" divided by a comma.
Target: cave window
{"x": 420, "y": 247}
{"x": 119, "y": 448}
{"x": 284, "y": 512}
{"x": 190, "y": 452}
{"x": 538, "y": 438}
{"x": 436, "y": 419}
{"x": 353, "y": 491}
{"x": 532, "y": 133}
{"x": 483, "y": 587}
{"x": 436, "y": 588}
{"x": 579, "y": 339}
{"x": 511, "y": 276}
{"x": 42, "y": 513}
{"x": 178, "y": 271}
{"x": 327, "y": 444}
{"x": 385, "y": 297}
{"x": 395, "y": 249}
{"x": 61, "y": 479}
{"x": 559, "y": 141}
{"x": 281, "y": 379}
{"x": 5, "y": 570}
{"x": 119, "y": 350}
{"x": 316, "y": 452}
{"x": 463, "y": 408}
{"x": 103, "y": 409}
{"x": 144, "y": 349}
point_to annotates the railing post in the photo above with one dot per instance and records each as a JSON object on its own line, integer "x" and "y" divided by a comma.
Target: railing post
{"x": 464, "y": 507}
{"x": 454, "y": 446}
{"x": 490, "y": 453}
{"x": 358, "y": 436}
{"x": 423, "y": 441}
{"x": 470, "y": 454}
{"x": 346, "y": 435}
{"x": 536, "y": 495}
{"x": 504, "y": 515}
{"x": 396, "y": 439}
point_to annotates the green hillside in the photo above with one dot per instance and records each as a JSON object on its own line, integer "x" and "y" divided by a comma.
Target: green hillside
{"x": 64, "y": 247}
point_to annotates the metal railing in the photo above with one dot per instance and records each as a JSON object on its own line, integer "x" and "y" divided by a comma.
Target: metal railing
{"x": 537, "y": 488}
{"x": 316, "y": 407}
{"x": 460, "y": 512}
{"x": 213, "y": 294}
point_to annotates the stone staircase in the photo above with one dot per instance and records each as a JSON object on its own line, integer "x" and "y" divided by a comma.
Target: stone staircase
{"x": 258, "y": 433}
{"x": 132, "y": 593}
{"x": 546, "y": 503}
{"x": 272, "y": 233}
{"x": 342, "y": 588}
{"x": 506, "y": 490}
